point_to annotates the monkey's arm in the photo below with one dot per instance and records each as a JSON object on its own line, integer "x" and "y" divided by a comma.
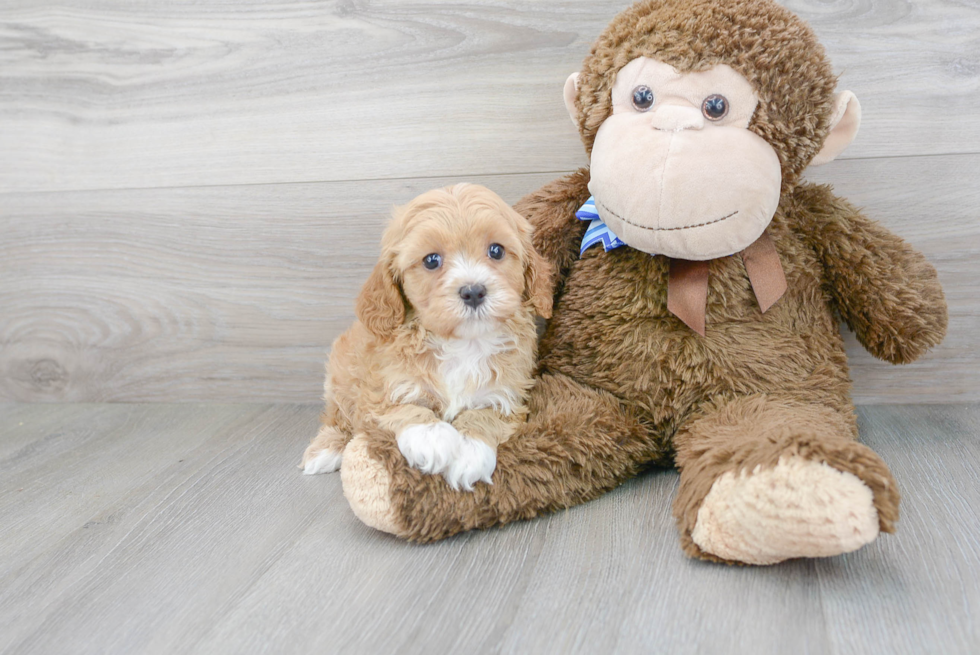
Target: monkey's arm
{"x": 551, "y": 210}
{"x": 885, "y": 290}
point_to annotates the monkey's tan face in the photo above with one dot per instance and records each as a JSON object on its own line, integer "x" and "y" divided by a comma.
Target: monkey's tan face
{"x": 675, "y": 171}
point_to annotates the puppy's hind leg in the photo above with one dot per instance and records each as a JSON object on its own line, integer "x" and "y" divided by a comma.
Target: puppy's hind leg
{"x": 325, "y": 452}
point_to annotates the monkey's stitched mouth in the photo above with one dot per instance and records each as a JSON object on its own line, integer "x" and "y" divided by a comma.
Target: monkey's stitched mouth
{"x": 665, "y": 229}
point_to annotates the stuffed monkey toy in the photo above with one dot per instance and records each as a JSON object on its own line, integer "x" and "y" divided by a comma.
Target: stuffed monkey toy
{"x": 699, "y": 283}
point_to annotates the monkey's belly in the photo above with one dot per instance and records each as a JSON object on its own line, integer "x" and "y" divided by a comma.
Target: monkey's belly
{"x": 611, "y": 329}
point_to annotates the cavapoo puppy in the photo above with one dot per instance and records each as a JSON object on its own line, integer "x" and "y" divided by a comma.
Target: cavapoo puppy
{"x": 444, "y": 347}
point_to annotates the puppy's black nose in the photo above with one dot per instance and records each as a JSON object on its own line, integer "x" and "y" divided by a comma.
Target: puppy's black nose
{"x": 473, "y": 294}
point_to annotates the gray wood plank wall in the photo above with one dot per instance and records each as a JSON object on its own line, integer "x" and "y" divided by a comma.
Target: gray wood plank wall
{"x": 192, "y": 192}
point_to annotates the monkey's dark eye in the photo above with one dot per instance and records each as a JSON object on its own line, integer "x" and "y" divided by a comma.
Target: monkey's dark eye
{"x": 715, "y": 107}
{"x": 432, "y": 261}
{"x": 642, "y": 98}
{"x": 495, "y": 251}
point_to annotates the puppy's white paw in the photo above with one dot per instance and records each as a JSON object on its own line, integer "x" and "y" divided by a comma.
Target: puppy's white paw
{"x": 474, "y": 461}
{"x": 430, "y": 447}
{"x": 326, "y": 461}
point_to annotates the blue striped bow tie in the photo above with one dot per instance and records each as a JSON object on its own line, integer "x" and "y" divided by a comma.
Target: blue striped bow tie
{"x": 598, "y": 231}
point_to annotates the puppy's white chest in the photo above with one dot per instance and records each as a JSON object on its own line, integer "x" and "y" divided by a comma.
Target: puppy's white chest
{"x": 467, "y": 368}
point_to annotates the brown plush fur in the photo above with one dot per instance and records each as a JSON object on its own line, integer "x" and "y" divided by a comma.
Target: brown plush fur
{"x": 781, "y": 427}
{"x": 578, "y": 443}
{"x": 623, "y": 384}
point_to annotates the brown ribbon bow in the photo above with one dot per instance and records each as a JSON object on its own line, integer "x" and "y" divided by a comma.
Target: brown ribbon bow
{"x": 687, "y": 282}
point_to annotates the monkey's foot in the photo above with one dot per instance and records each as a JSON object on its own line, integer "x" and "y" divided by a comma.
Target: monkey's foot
{"x": 367, "y": 487}
{"x": 799, "y": 508}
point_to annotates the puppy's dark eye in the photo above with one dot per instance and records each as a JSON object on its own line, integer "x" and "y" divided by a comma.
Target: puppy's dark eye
{"x": 715, "y": 107}
{"x": 495, "y": 251}
{"x": 432, "y": 261}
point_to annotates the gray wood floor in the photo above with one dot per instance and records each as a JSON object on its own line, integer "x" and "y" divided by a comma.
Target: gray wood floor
{"x": 187, "y": 529}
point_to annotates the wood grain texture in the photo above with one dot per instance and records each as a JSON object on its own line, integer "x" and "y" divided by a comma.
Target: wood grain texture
{"x": 106, "y": 94}
{"x": 179, "y": 528}
{"x": 236, "y": 162}
{"x": 228, "y": 293}
{"x": 235, "y": 293}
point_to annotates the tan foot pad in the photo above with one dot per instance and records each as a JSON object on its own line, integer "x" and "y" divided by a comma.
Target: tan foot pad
{"x": 799, "y": 508}
{"x": 366, "y": 487}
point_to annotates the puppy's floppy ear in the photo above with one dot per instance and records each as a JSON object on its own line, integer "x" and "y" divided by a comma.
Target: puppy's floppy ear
{"x": 537, "y": 283}
{"x": 380, "y": 306}
{"x": 538, "y": 288}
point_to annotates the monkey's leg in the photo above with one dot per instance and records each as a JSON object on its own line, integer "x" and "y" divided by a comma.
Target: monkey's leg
{"x": 765, "y": 479}
{"x": 577, "y": 444}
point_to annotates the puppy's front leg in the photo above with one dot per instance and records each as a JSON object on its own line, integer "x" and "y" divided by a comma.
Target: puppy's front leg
{"x": 427, "y": 443}
{"x": 483, "y": 430}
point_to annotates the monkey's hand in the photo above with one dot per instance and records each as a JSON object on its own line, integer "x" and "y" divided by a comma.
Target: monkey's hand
{"x": 551, "y": 210}
{"x": 885, "y": 290}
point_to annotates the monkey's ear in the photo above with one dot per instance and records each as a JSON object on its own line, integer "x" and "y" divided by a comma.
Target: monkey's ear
{"x": 380, "y": 306}
{"x": 843, "y": 128}
{"x": 571, "y": 91}
{"x": 537, "y": 284}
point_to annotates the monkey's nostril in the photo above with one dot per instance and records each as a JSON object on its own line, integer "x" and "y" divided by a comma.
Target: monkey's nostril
{"x": 473, "y": 294}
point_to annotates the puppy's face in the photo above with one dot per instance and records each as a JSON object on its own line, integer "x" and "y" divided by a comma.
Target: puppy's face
{"x": 464, "y": 261}
{"x": 462, "y": 268}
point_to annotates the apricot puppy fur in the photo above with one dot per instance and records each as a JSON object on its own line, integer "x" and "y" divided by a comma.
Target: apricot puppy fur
{"x": 444, "y": 348}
